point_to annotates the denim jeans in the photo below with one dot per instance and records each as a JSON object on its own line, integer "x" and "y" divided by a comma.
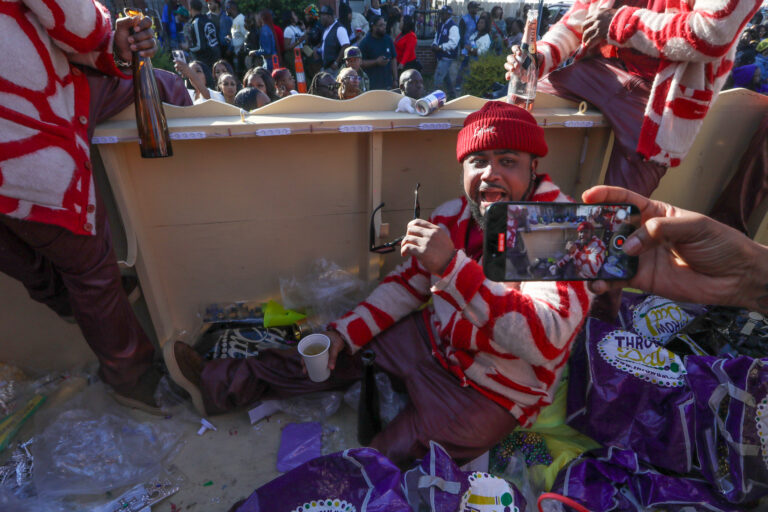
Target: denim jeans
{"x": 445, "y": 73}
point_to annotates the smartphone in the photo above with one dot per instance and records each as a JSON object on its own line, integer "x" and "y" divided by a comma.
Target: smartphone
{"x": 179, "y": 55}
{"x": 558, "y": 241}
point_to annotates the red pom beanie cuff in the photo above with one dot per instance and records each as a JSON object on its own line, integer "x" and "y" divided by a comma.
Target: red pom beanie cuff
{"x": 499, "y": 125}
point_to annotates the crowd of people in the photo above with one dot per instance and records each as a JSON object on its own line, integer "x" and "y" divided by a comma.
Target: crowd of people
{"x": 222, "y": 53}
{"x": 751, "y": 65}
{"x": 216, "y": 45}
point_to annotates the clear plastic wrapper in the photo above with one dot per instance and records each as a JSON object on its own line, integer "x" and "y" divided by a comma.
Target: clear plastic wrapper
{"x": 91, "y": 445}
{"x": 326, "y": 292}
{"x": 390, "y": 402}
{"x": 312, "y": 407}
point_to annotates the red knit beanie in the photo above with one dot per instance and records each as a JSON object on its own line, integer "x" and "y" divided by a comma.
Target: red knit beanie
{"x": 499, "y": 125}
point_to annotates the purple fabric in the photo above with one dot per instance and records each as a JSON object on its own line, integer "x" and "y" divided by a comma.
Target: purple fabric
{"x": 299, "y": 443}
{"x": 437, "y": 483}
{"x": 610, "y": 403}
{"x": 361, "y": 477}
{"x": 733, "y": 458}
{"x": 614, "y": 479}
{"x": 743, "y": 75}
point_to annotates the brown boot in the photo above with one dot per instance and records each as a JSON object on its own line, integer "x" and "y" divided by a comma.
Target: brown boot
{"x": 184, "y": 368}
{"x": 142, "y": 395}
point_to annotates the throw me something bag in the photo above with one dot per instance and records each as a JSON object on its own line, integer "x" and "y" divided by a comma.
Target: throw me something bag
{"x": 628, "y": 392}
{"x": 731, "y": 423}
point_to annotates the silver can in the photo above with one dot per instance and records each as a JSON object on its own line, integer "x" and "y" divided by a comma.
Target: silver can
{"x": 430, "y": 103}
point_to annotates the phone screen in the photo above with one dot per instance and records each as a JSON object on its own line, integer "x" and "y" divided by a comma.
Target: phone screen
{"x": 558, "y": 241}
{"x": 179, "y": 55}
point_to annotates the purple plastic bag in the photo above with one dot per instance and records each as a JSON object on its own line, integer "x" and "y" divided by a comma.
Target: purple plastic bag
{"x": 356, "y": 480}
{"x": 299, "y": 443}
{"x": 612, "y": 479}
{"x": 628, "y": 392}
{"x": 731, "y": 418}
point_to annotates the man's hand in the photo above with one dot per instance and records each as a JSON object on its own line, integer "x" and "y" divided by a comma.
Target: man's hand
{"x": 513, "y": 61}
{"x": 142, "y": 40}
{"x": 687, "y": 256}
{"x": 337, "y": 345}
{"x": 434, "y": 48}
{"x": 381, "y": 60}
{"x": 429, "y": 244}
{"x": 596, "y": 27}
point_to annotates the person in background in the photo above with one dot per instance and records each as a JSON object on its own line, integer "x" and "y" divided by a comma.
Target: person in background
{"x": 293, "y": 37}
{"x": 379, "y": 56}
{"x": 268, "y": 46}
{"x": 405, "y": 46}
{"x": 687, "y": 256}
{"x": 237, "y": 35}
{"x": 182, "y": 20}
{"x": 445, "y": 46}
{"x": 170, "y": 25}
{"x": 313, "y": 62}
{"x": 284, "y": 82}
{"x": 199, "y": 81}
{"x": 480, "y": 41}
{"x": 514, "y": 32}
{"x": 349, "y": 84}
{"x": 761, "y": 58}
{"x": 467, "y": 27}
{"x": 335, "y": 40}
{"x": 203, "y": 39}
{"x": 277, "y": 30}
{"x": 353, "y": 58}
{"x": 225, "y": 27}
{"x": 214, "y": 12}
{"x": 227, "y": 86}
{"x": 360, "y": 25}
{"x": 394, "y": 21}
{"x": 261, "y": 79}
{"x": 323, "y": 84}
{"x": 345, "y": 19}
{"x": 412, "y": 84}
{"x": 250, "y": 98}
{"x": 498, "y": 31}
{"x": 221, "y": 67}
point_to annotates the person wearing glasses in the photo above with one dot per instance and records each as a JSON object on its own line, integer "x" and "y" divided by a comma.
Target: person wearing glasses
{"x": 349, "y": 84}
{"x": 480, "y": 359}
{"x": 323, "y": 84}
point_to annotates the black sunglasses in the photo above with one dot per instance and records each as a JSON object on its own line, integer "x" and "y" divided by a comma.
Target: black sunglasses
{"x": 390, "y": 246}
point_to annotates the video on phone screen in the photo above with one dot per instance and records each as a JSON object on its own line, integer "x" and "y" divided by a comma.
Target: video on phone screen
{"x": 567, "y": 242}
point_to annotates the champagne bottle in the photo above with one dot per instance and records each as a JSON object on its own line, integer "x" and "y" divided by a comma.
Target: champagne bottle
{"x": 368, "y": 415}
{"x": 522, "y": 84}
{"x": 154, "y": 140}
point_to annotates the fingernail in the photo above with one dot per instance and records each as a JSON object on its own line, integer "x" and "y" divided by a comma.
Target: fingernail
{"x": 632, "y": 245}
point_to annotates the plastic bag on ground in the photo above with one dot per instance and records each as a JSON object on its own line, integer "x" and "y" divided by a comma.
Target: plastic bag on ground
{"x": 299, "y": 443}
{"x": 360, "y": 479}
{"x": 326, "y": 292}
{"x": 390, "y": 401}
{"x": 313, "y": 406}
{"x": 91, "y": 445}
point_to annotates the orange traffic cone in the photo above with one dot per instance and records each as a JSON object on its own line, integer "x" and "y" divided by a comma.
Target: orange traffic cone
{"x": 301, "y": 79}
{"x": 275, "y": 62}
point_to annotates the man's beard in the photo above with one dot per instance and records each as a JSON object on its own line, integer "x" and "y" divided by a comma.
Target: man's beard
{"x": 474, "y": 209}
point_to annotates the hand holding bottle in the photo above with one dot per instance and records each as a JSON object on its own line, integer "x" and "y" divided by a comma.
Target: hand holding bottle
{"x": 134, "y": 34}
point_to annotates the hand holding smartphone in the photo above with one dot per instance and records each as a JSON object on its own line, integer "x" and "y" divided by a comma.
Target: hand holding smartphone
{"x": 558, "y": 241}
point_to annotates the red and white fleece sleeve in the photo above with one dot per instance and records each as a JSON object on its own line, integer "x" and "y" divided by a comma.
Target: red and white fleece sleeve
{"x": 80, "y": 28}
{"x": 703, "y": 33}
{"x": 399, "y": 294}
{"x": 535, "y": 323}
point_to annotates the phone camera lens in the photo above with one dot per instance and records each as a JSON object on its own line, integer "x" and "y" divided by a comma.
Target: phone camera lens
{"x": 618, "y": 242}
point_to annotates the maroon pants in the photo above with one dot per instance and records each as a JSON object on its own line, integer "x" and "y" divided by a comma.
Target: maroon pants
{"x": 78, "y": 275}
{"x": 621, "y": 97}
{"x": 462, "y": 420}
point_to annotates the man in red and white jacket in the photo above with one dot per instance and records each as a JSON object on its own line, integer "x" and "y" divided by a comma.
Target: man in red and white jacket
{"x": 54, "y": 235}
{"x": 480, "y": 359}
{"x": 587, "y": 253}
{"x": 653, "y": 67}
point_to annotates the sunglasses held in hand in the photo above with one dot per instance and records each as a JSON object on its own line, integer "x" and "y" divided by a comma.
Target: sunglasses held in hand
{"x": 390, "y": 246}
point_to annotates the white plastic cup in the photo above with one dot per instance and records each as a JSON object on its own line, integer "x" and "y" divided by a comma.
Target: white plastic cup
{"x": 314, "y": 350}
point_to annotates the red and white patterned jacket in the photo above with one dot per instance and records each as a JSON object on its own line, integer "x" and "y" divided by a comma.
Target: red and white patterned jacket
{"x": 587, "y": 260}
{"x": 45, "y": 168}
{"x": 694, "y": 42}
{"x": 509, "y": 341}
